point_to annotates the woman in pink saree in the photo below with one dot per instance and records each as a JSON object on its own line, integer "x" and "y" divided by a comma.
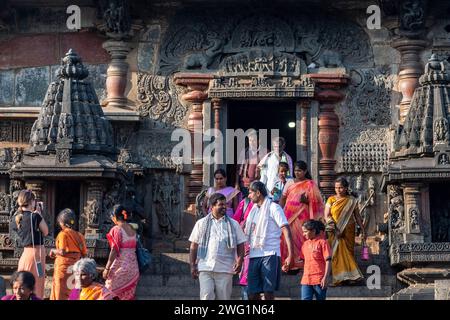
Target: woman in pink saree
{"x": 302, "y": 201}
{"x": 122, "y": 272}
{"x": 232, "y": 195}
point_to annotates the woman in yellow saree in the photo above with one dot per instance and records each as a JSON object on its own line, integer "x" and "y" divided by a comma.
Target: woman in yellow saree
{"x": 341, "y": 214}
{"x": 302, "y": 201}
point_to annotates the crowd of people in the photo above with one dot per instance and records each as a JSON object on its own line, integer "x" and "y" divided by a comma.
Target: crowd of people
{"x": 75, "y": 276}
{"x": 274, "y": 220}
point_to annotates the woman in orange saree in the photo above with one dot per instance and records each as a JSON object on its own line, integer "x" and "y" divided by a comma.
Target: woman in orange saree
{"x": 70, "y": 247}
{"x": 302, "y": 201}
{"x": 341, "y": 214}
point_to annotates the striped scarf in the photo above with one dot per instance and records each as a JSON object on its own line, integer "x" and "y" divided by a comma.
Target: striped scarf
{"x": 205, "y": 232}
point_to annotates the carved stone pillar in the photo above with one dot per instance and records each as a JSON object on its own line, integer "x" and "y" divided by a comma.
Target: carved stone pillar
{"x": 116, "y": 80}
{"x": 410, "y": 68}
{"x": 93, "y": 209}
{"x": 410, "y": 42}
{"x": 328, "y": 95}
{"x": 196, "y": 85}
{"x": 304, "y": 111}
{"x": 216, "y": 104}
{"x": 413, "y": 212}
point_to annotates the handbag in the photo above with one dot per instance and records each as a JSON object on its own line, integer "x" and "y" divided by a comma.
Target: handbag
{"x": 144, "y": 258}
{"x": 364, "y": 251}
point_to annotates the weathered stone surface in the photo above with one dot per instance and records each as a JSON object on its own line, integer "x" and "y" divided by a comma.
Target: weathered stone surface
{"x": 28, "y": 51}
{"x": 97, "y": 75}
{"x": 87, "y": 44}
{"x": 146, "y": 56}
{"x": 29, "y": 20}
{"x": 31, "y": 86}
{"x": 6, "y": 87}
{"x": 442, "y": 290}
{"x": 151, "y": 34}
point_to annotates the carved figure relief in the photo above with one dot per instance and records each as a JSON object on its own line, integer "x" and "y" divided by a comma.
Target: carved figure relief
{"x": 414, "y": 219}
{"x": 440, "y": 130}
{"x": 165, "y": 198}
{"x": 443, "y": 159}
{"x": 202, "y": 60}
{"x": 412, "y": 15}
{"x": 396, "y": 207}
{"x": 92, "y": 212}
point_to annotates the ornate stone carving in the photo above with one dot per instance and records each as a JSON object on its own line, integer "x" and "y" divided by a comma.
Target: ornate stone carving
{"x": 4, "y": 202}
{"x": 63, "y": 157}
{"x": 441, "y": 130}
{"x": 368, "y": 102}
{"x": 155, "y": 148}
{"x": 412, "y": 15}
{"x": 263, "y": 62}
{"x": 414, "y": 218}
{"x": 364, "y": 157}
{"x": 407, "y": 253}
{"x": 396, "y": 207}
{"x": 165, "y": 198}
{"x": 202, "y": 60}
{"x": 158, "y": 98}
{"x": 200, "y": 41}
{"x": 92, "y": 213}
{"x": 15, "y": 131}
{"x": 117, "y": 18}
{"x": 261, "y": 86}
{"x": 443, "y": 159}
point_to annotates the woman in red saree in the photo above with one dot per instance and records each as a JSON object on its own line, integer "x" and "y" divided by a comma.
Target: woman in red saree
{"x": 122, "y": 272}
{"x": 302, "y": 201}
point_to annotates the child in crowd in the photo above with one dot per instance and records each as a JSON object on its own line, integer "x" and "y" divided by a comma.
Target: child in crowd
{"x": 283, "y": 178}
{"x": 317, "y": 253}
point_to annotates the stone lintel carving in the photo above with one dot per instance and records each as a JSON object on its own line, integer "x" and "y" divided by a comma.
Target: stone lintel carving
{"x": 261, "y": 86}
{"x": 407, "y": 253}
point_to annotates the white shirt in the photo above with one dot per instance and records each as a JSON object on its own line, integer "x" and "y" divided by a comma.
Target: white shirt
{"x": 219, "y": 258}
{"x": 277, "y": 220}
{"x": 269, "y": 174}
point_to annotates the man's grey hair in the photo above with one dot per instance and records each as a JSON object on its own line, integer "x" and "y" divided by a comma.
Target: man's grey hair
{"x": 86, "y": 265}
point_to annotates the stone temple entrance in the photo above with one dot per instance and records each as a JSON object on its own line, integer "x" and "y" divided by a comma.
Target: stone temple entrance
{"x": 262, "y": 115}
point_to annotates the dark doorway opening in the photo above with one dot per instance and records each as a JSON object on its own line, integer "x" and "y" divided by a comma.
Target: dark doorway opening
{"x": 262, "y": 115}
{"x": 440, "y": 212}
{"x": 67, "y": 195}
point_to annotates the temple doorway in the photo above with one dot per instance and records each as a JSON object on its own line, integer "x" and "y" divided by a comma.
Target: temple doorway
{"x": 258, "y": 115}
{"x": 440, "y": 212}
{"x": 67, "y": 195}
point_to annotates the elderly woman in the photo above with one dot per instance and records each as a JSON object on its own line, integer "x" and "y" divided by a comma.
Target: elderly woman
{"x": 85, "y": 271}
{"x": 22, "y": 283}
{"x": 70, "y": 247}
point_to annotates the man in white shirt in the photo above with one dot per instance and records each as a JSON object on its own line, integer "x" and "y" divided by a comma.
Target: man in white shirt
{"x": 268, "y": 165}
{"x": 265, "y": 223}
{"x": 217, "y": 251}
